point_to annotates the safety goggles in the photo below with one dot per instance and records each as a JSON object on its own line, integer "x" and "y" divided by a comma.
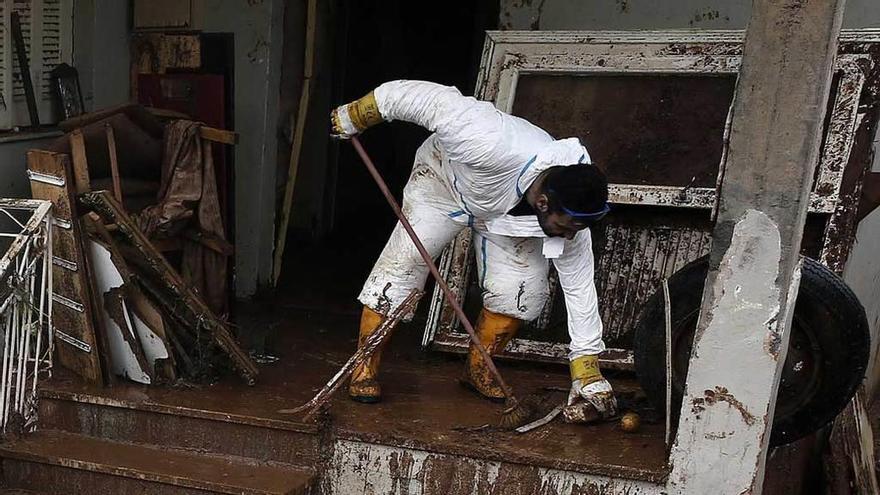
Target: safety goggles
{"x": 588, "y": 218}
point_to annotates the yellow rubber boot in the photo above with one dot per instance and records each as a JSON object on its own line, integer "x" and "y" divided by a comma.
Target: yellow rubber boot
{"x": 494, "y": 331}
{"x": 364, "y": 387}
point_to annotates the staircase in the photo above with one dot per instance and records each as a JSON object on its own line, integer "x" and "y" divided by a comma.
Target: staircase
{"x": 93, "y": 445}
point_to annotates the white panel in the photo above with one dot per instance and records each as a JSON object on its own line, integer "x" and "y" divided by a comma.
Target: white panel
{"x": 123, "y": 360}
{"x": 154, "y": 347}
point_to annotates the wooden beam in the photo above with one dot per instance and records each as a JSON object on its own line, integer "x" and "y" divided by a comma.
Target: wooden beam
{"x": 168, "y": 114}
{"x": 219, "y": 246}
{"x": 114, "y": 163}
{"x": 82, "y": 183}
{"x": 73, "y": 312}
{"x": 218, "y": 135}
{"x": 742, "y": 336}
{"x": 296, "y": 149}
{"x": 24, "y": 70}
{"x": 851, "y": 451}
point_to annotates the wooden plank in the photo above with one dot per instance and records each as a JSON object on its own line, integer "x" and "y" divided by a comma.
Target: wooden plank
{"x": 147, "y": 312}
{"x": 296, "y": 149}
{"x": 851, "y": 467}
{"x": 219, "y": 246}
{"x": 218, "y": 135}
{"x": 76, "y": 340}
{"x": 114, "y": 162}
{"x": 80, "y": 162}
{"x": 168, "y": 114}
{"x": 24, "y": 70}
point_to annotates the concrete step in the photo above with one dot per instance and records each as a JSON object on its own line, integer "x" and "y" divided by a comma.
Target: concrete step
{"x": 57, "y": 462}
{"x": 180, "y": 428}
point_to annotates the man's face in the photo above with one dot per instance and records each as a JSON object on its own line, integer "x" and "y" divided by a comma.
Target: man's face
{"x": 558, "y": 224}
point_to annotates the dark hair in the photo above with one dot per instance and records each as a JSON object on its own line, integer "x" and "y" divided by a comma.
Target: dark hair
{"x": 581, "y": 188}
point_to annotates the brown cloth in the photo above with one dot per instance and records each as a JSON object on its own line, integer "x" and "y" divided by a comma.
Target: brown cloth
{"x": 188, "y": 201}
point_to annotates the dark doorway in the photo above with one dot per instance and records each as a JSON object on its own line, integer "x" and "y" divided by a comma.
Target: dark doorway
{"x": 384, "y": 41}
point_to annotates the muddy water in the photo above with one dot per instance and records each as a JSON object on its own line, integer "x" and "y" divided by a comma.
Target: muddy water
{"x": 424, "y": 407}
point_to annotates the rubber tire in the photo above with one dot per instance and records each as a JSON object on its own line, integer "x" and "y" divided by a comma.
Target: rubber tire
{"x": 828, "y": 316}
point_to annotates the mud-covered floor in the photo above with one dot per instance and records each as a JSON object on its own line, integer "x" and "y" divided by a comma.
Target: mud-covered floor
{"x": 424, "y": 407}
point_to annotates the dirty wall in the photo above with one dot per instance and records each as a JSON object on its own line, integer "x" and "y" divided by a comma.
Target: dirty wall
{"x": 257, "y": 26}
{"x": 652, "y": 14}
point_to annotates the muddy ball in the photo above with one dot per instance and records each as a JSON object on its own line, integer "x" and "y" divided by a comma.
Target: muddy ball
{"x": 630, "y": 422}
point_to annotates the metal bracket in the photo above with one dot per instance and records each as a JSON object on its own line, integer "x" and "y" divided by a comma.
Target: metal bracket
{"x": 79, "y": 344}
{"x": 63, "y": 263}
{"x": 60, "y": 222}
{"x": 70, "y": 303}
{"x": 53, "y": 180}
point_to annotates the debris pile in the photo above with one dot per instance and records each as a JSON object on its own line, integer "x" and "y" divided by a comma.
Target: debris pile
{"x": 126, "y": 310}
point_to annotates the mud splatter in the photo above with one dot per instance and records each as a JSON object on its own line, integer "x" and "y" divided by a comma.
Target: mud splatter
{"x": 721, "y": 394}
{"x": 522, "y": 308}
{"x": 257, "y": 54}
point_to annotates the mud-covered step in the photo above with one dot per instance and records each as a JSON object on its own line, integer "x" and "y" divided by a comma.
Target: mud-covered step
{"x": 62, "y": 463}
{"x": 179, "y": 427}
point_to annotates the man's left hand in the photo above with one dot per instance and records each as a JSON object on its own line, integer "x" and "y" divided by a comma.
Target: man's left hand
{"x": 596, "y": 395}
{"x": 351, "y": 119}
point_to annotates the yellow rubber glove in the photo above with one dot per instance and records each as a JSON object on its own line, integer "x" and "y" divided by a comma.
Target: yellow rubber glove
{"x": 355, "y": 117}
{"x": 588, "y": 388}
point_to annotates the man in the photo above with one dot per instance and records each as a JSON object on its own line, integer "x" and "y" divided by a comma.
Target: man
{"x": 528, "y": 198}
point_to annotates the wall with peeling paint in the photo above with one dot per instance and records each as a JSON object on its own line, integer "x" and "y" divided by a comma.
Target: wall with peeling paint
{"x": 358, "y": 467}
{"x": 652, "y": 14}
{"x": 257, "y": 29}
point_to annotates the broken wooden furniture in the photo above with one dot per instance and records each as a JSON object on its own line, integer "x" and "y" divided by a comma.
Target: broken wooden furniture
{"x": 26, "y": 302}
{"x": 178, "y": 205}
{"x": 104, "y": 318}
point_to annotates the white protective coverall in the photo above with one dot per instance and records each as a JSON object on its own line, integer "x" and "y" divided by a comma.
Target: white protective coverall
{"x": 471, "y": 171}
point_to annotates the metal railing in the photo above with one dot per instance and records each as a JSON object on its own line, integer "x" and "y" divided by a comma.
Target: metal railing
{"x": 25, "y": 308}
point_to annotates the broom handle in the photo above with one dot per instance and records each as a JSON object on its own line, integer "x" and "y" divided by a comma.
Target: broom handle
{"x": 432, "y": 267}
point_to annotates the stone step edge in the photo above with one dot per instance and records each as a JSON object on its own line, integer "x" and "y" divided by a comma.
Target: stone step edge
{"x": 10, "y": 452}
{"x": 154, "y": 407}
{"x": 208, "y": 454}
{"x": 339, "y": 432}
